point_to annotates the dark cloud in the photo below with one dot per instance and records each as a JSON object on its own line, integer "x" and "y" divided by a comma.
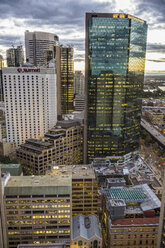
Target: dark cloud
{"x": 158, "y": 48}
{"x": 153, "y": 8}
{"x": 51, "y": 12}
{"x": 157, "y": 60}
{"x": 9, "y": 40}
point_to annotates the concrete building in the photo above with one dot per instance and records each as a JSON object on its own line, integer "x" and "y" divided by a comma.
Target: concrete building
{"x": 3, "y": 236}
{"x": 38, "y": 210}
{"x": 62, "y": 144}
{"x": 86, "y": 231}
{"x": 7, "y": 148}
{"x": 45, "y": 246}
{"x": 79, "y": 83}
{"x": 38, "y": 45}
{"x": 84, "y": 187}
{"x": 30, "y": 101}
{"x": 130, "y": 217}
{"x": 114, "y": 77}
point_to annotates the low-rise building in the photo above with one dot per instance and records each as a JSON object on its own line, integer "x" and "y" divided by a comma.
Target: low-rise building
{"x": 38, "y": 210}
{"x": 84, "y": 187}
{"x": 86, "y": 231}
{"x": 7, "y": 148}
{"x": 130, "y": 217}
{"x": 62, "y": 144}
{"x": 13, "y": 169}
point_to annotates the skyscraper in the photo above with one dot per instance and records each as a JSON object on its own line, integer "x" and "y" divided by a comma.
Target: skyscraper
{"x": 15, "y": 56}
{"x": 39, "y": 47}
{"x": 115, "y": 61}
{"x": 1, "y": 81}
{"x": 30, "y": 102}
{"x": 67, "y": 79}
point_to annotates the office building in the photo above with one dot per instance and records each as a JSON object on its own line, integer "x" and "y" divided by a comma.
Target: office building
{"x": 115, "y": 60}
{"x": 1, "y": 81}
{"x": 86, "y": 231}
{"x": 67, "y": 79}
{"x": 79, "y": 103}
{"x": 45, "y": 246}
{"x": 3, "y": 235}
{"x": 161, "y": 233}
{"x": 84, "y": 187}
{"x": 62, "y": 144}
{"x": 130, "y": 217}
{"x": 39, "y": 47}
{"x": 38, "y": 210}
{"x": 30, "y": 101}
{"x": 15, "y": 56}
{"x": 79, "y": 83}
{"x": 19, "y": 56}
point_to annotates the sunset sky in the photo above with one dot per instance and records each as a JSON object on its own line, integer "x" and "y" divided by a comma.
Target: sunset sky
{"x": 66, "y": 18}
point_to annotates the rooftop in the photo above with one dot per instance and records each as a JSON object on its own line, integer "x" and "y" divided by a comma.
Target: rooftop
{"x": 38, "y": 185}
{"x": 76, "y": 171}
{"x": 85, "y": 226}
{"x": 13, "y": 169}
{"x": 136, "y": 221}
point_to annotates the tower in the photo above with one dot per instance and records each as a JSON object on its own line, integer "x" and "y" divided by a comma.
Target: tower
{"x": 115, "y": 61}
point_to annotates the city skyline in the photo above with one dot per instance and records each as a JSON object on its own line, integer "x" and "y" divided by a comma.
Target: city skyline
{"x": 66, "y": 19}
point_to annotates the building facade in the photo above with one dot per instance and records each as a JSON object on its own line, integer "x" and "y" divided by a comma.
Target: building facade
{"x": 115, "y": 60}
{"x": 1, "y": 81}
{"x": 79, "y": 83}
{"x": 15, "y": 56}
{"x": 130, "y": 217}
{"x": 67, "y": 79}
{"x": 79, "y": 103}
{"x": 39, "y": 46}
{"x": 38, "y": 210}
{"x": 84, "y": 187}
{"x": 30, "y": 101}
{"x": 62, "y": 144}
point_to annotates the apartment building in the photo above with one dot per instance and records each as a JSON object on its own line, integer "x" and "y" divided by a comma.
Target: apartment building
{"x": 62, "y": 144}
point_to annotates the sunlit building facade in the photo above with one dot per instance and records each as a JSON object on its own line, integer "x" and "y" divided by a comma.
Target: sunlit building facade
{"x": 115, "y": 61}
{"x": 67, "y": 79}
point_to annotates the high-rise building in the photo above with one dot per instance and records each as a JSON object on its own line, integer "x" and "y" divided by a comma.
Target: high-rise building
{"x": 30, "y": 101}
{"x": 15, "y": 56}
{"x": 38, "y": 210}
{"x": 1, "y": 81}
{"x": 67, "y": 79}
{"x": 19, "y": 56}
{"x": 10, "y": 56}
{"x": 62, "y": 144}
{"x": 115, "y": 60}
{"x": 79, "y": 83}
{"x": 39, "y": 47}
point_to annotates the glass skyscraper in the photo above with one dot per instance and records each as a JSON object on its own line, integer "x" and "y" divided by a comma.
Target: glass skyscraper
{"x": 115, "y": 61}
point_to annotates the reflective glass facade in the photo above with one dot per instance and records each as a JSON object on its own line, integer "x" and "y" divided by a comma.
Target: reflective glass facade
{"x": 115, "y": 61}
{"x": 67, "y": 80}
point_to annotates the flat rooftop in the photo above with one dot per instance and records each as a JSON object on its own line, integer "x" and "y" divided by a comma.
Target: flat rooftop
{"x": 75, "y": 171}
{"x": 135, "y": 222}
{"x": 13, "y": 169}
{"x": 38, "y": 185}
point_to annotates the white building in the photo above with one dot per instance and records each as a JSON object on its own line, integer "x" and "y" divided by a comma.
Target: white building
{"x": 38, "y": 46}
{"x": 30, "y": 102}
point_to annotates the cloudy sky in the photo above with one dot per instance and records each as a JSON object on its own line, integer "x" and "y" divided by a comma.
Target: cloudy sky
{"x": 66, "y": 18}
